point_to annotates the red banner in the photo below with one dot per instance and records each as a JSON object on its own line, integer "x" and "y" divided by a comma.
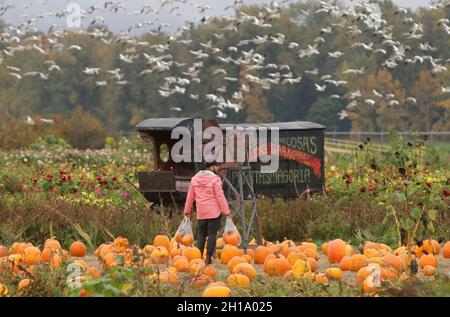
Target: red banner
{"x": 290, "y": 154}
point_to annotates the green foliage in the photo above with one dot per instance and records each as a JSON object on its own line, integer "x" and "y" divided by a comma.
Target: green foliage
{"x": 50, "y": 142}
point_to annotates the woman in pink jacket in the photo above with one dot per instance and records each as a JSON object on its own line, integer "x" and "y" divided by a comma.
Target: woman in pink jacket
{"x": 206, "y": 190}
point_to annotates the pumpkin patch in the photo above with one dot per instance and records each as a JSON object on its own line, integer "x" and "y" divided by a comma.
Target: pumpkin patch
{"x": 233, "y": 271}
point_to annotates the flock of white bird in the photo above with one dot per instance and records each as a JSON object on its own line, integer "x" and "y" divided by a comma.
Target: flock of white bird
{"x": 395, "y": 52}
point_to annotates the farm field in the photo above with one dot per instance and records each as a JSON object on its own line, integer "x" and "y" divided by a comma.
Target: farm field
{"x": 381, "y": 228}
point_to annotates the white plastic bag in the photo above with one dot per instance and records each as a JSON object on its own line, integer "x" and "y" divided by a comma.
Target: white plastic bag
{"x": 231, "y": 234}
{"x": 184, "y": 234}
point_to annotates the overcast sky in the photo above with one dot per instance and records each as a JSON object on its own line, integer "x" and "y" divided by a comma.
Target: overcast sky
{"x": 124, "y": 18}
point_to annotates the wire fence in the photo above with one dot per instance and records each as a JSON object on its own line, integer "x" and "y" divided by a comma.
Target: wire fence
{"x": 384, "y": 137}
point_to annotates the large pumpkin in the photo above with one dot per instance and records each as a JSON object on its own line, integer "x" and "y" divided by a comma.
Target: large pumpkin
{"x": 32, "y": 255}
{"x": 431, "y": 246}
{"x": 428, "y": 259}
{"x": 192, "y": 253}
{"x": 229, "y": 251}
{"x": 246, "y": 269}
{"x": 181, "y": 264}
{"x": 161, "y": 241}
{"x": 429, "y": 270}
{"x": 52, "y": 244}
{"x": 217, "y": 291}
{"x": 337, "y": 249}
{"x": 394, "y": 261}
{"x": 120, "y": 244}
{"x": 239, "y": 280}
{"x": 78, "y": 249}
{"x": 446, "y": 250}
{"x": 235, "y": 261}
{"x": 231, "y": 236}
{"x": 278, "y": 266}
{"x": 160, "y": 255}
{"x": 346, "y": 263}
{"x": 261, "y": 252}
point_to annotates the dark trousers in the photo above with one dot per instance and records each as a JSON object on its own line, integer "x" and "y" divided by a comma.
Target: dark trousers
{"x": 207, "y": 228}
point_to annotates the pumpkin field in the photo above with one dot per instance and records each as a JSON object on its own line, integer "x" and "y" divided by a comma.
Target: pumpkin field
{"x": 72, "y": 225}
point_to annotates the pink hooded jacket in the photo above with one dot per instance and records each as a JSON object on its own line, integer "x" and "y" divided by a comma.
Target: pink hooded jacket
{"x": 206, "y": 190}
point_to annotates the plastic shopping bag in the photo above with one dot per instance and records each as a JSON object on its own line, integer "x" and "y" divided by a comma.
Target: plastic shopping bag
{"x": 230, "y": 233}
{"x": 184, "y": 234}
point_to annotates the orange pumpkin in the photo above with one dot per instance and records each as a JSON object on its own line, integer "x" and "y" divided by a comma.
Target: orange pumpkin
{"x": 362, "y": 274}
{"x": 229, "y": 251}
{"x": 217, "y": 291}
{"x": 120, "y": 244}
{"x": 147, "y": 250}
{"x": 446, "y": 250}
{"x": 269, "y": 257}
{"x": 337, "y": 249}
{"x": 418, "y": 251}
{"x": 46, "y": 255}
{"x": 56, "y": 260}
{"x": 181, "y": 264}
{"x": 19, "y": 247}
{"x": 321, "y": 278}
{"x": 165, "y": 277}
{"x": 325, "y": 248}
{"x": 428, "y": 259}
{"x": 78, "y": 249}
{"x": 394, "y": 261}
{"x": 261, "y": 252}
{"x": 187, "y": 240}
{"x": 429, "y": 270}
{"x": 231, "y": 236}
{"x": 239, "y": 280}
{"x": 196, "y": 267}
{"x": 3, "y": 251}
{"x": 192, "y": 253}
{"x": 312, "y": 264}
{"x": 431, "y": 246}
{"x": 235, "y": 261}
{"x": 32, "y": 255}
{"x": 346, "y": 263}
{"x": 307, "y": 246}
{"x": 358, "y": 261}
{"x": 246, "y": 269}
{"x": 161, "y": 241}
{"x": 278, "y": 266}
{"x": 160, "y": 255}
{"x": 311, "y": 253}
{"x": 52, "y": 244}
{"x": 210, "y": 271}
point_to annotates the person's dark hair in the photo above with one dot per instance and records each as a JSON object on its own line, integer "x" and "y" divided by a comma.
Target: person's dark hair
{"x": 207, "y": 165}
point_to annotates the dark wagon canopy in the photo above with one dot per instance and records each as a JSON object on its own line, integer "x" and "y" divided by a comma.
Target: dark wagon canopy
{"x": 301, "y": 156}
{"x": 170, "y": 123}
